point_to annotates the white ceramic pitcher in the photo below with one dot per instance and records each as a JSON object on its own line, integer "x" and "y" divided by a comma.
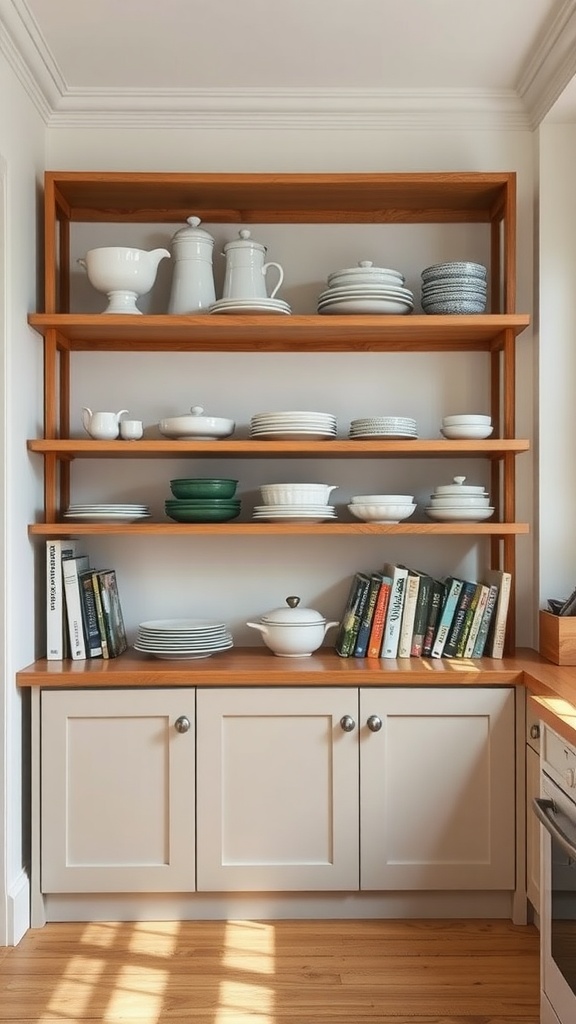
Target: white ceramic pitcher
{"x": 102, "y": 426}
{"x": 193, "y": 278}
{"x": 246, "y": 271}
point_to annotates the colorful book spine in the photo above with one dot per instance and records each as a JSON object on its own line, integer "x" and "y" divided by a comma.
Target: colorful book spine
{"x": 112, "y": 611}
{"x": 71, "y": 569}
{"x": 56, "y": 622}
{"x": 453, "y": 588}
{"x": 361, "y": 646}
{"x": 411, "y": 588}
{"x": 348, "y": 631}
{"x": 100, "y": 614}
{"x": 393, "y": 622}
{"x": 379, "y": 618}
{"x": 480, "y": 644}
{"x": 421, "y": 616}
{"x": 497, "y": 631}
{"x": 89, "y": 615}
{"x": 436, "y": 602}
{"x": 458, "y": 622}
{"x": 479, "y": 605}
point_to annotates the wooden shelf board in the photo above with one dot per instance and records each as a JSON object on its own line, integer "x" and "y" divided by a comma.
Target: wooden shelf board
{"x": 279, "y": 198}
{"x": 261, "y": 530}
{"x": 246, "y": 666}
{"x": 82, "y": 448}
{"x": 314, "y": 333}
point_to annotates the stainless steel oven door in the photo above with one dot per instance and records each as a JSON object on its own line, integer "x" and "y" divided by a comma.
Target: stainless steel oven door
{"x": 557, "y": 812}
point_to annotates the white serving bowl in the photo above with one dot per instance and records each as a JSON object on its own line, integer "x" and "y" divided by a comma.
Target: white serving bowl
{"x": 196, "y": 426}
{"x": 391, "y": 513}
{"x": 122, "y": 273}
{"x": 459, "y": 515}
{"x": 466, "y": 432}
{"x": 382, "y": 499}
{"x": 468, "y": 418}
{"x": 296, "y": 494}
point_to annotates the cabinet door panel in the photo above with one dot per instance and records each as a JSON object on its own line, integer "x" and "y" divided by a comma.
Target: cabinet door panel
{"x": 117, "y": 791}
{"x": 532, "y": 829}
{"x": 437, "y": 789}
{"x": 277, "y": 790}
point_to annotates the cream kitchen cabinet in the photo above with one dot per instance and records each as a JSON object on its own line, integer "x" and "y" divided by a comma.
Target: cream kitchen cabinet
{"x": 371, "y": 789}
{"x": 532, "y": 822}
{"x": 117, "y": 791}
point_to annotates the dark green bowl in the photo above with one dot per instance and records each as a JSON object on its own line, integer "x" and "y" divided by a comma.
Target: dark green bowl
{"x": 202, "y": 514}
{"x": 203, "y": 487}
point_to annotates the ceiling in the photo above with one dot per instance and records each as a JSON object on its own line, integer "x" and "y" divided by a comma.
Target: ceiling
{"x": 360, "y": 62}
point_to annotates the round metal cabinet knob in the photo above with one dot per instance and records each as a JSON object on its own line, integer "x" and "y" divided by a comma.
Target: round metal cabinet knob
{"x": 347, "y": 723}
{"x": 182, "y": 724}
{"x": 535, "y": 732}
{"x": 374, "y": 723}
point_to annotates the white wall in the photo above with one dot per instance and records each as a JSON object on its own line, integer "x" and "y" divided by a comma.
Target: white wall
{"x": 557, "y": 360}
{"x": 22, "y": 139}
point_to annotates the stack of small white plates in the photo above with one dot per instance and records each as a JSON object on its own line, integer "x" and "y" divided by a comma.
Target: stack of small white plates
{"x": 181, "y": 639}
{"x": 250, "y": 306}
{"x": 294, "y": 513}
{"x": 98, "y": 512}
{"x": 366, "y": 289}
{"x": 400, "y": 427}
{"x": 293, "y": 426}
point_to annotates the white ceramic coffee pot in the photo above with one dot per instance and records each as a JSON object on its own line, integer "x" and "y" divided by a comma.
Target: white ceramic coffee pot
{"x": 103, "y": 426}
{"x": 246, "y": 271}
{"x": 193, "y": 277}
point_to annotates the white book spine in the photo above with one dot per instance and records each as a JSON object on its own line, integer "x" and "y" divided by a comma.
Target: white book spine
{"x": 70, "y": 569}
{"x": 56, "y": 552}
{"x": 407, "y": 627}
{"x": 475, "y": 627}
{"x": 393, "y": 622}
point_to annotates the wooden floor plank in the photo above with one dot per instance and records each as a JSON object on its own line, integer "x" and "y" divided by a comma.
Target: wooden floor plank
{"x": 287, "y": 972}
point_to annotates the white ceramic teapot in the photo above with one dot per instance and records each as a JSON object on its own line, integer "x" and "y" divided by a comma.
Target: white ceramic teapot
{"x": 193, "y": 278}
{"x": 102, "y": 426}
{"x": 246, "y": 271}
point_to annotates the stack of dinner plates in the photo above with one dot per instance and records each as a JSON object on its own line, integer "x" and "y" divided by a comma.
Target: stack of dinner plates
{"x": 250, "y": 306}
{"x": 181, "y": 639}
{"x": 98, "y": 512}
{"x": 366, "y": 289}
{"x": 293, "y": 426}
{"x": 383, "y": 426}
{"x": 293, "y": 513}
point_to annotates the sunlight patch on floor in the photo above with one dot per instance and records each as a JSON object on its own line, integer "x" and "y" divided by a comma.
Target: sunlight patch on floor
{"x": 244, "y": 939}
{"x": 165, "y": 941}
{"x": 75, "y": 988}
{"x": 103, "y": 935}
{"x": 142, "y": 988}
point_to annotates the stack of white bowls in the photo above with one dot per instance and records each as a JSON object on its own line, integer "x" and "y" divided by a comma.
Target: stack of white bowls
{"x": 466, "y": 426}
{"x": 402, "y": 427}
{"x": 459, "y": 502}
{"x": 366, "y": 289}
{"x": 295, "y": 503}
{"x": 293, "y": 426}
{"x": 456, "y": 287}
{"x": 382, "y": 508}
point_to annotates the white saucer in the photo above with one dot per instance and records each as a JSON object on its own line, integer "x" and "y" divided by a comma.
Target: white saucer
{"x": 250, "y": 306}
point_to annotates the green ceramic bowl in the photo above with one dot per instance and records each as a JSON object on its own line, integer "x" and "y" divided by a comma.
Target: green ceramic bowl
{"x": 202, "y": 514}
{"x": 203, "y": 487}
{"x": 215, "y": 503}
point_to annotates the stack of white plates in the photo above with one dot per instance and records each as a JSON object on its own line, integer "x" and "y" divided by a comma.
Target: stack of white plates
{"x": 98, "y": 512}
{"x": 383, "y": 426}
{"x": 293, "y": 426}
{"x": 294, "y": 513}
{"x": 250, "y": 306}
{"x": 366, "y": 289}
{"x": 181, "y": 639}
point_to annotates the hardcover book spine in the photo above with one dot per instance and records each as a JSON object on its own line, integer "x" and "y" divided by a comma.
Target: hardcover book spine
{"x": 361, "y": 646}
{"x": 497, "y": 631}
{"x": 486, "y": 620}
{"x": 482, "y": 597}
{"x": 111, "y": 607}
{"x": 350, "y": 623}
{"x": 71, "y": 569}
{"x": 379, "y": 618}
{"x": 100, "y": 614}
{"x": 411, "y": 589}
{"x": 453, "y": 588}
{"x": 421, "y": 617}
{"x": 457, "y": 627}
{"x": 436, "y": 602}
{"x": 391, "y": 637}
{"x": 89, "y": 615}
{"x": 56, "y": 623}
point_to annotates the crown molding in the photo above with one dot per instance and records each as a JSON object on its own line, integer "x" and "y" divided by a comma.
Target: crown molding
{"x": 23, "y": 46}
{"x": 551, "y": 65}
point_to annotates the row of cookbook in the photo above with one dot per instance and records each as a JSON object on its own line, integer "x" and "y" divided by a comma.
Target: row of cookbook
{"x": 400, "y": 612}
{"x": 83, "y": 611}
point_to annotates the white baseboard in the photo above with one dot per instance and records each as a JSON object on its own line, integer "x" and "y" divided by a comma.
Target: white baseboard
{"x": 18, "y": 909}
